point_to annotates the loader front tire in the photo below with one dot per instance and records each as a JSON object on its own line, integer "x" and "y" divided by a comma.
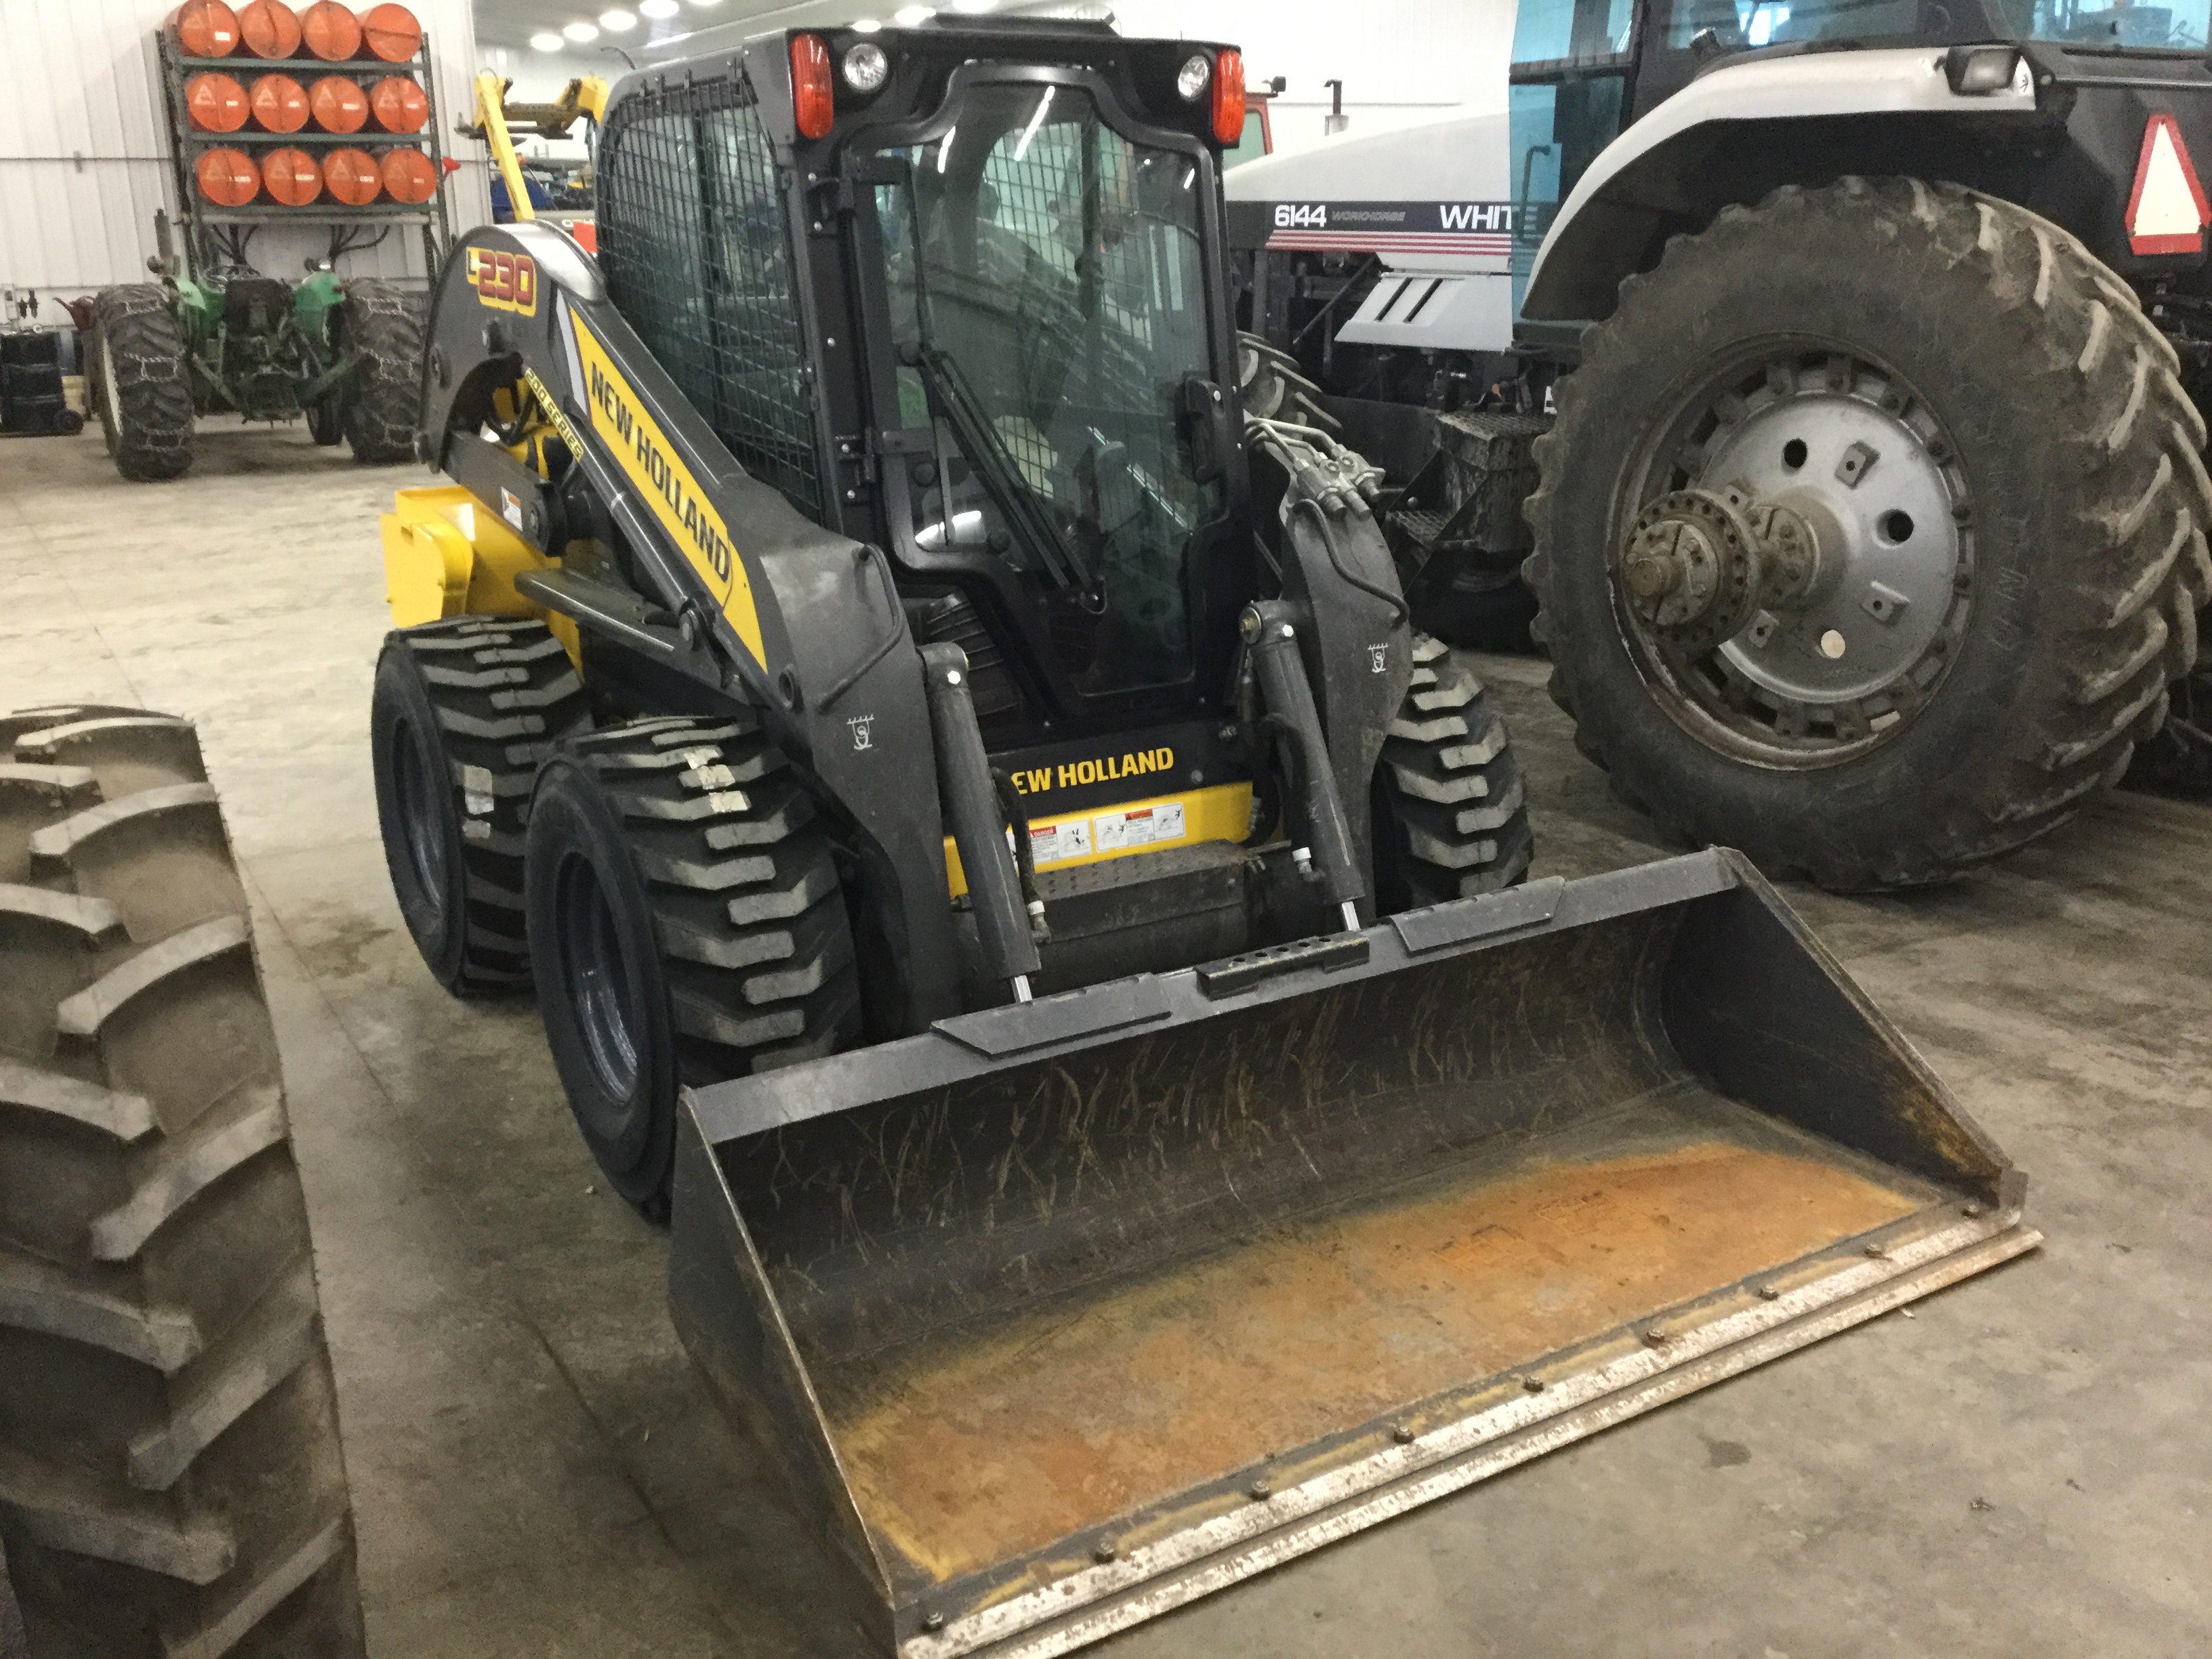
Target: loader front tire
{"x": 464, "y": 711}
{"x": 382, "y": 327}
{"x": 1451, "y": 814}
{"x": 171, "y": 1479}
{"x": 686, "y": 925}
{"x": 1985, "y": 410}
{"x": 143, "y": 382}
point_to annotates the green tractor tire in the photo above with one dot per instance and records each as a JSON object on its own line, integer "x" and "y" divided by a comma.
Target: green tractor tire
{"x": 383, "y": 328}
{"x": 142, "y": 381}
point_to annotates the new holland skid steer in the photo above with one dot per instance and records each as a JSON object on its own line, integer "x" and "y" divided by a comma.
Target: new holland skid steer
{"x": 995, "y": 860}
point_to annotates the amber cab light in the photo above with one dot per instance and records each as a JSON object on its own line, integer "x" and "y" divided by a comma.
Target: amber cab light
{"x": 814, "y": 99}
{"x": 1228, "y": 97}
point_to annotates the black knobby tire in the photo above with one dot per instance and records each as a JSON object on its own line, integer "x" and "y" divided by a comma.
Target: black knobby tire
{"x": 687, "y": 925}
{"x": 1452, "y": 814}
{"x": 2091, "y": 504}
{"x": 143, "y": 394}
{"x": 382, "y": 327}
{"x": 463, "y": 712}
{"x": 326, "y": 422}
{"x": 171, "y": 1479}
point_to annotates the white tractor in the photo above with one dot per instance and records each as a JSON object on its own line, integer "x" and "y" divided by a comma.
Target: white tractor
{"x": 1846, "y": 358}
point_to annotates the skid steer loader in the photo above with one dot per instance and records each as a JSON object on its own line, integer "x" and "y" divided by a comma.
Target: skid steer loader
{"x": 1871, "y": 537}
{"x": 993, "y": 855}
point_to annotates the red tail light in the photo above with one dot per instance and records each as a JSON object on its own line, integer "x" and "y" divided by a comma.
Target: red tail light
{"x": 1228, "y": 97}
{"x": 814, "y": 99}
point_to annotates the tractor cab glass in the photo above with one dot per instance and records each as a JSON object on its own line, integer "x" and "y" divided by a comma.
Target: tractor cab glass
{"x": 1047, "y": 290}
{"x": 1571, "y": 60}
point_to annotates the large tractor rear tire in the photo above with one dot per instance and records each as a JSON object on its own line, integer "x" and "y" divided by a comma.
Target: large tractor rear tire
{"x": 143, "y": 387}
{"x": 382, "y": 327}
{"x": 463, "y": 712}
{"x": 1451, "y": 814}
{"x": 170, "y": 1475}
{"x": 1987, "y": 412}
{"x": 687, "y": 925}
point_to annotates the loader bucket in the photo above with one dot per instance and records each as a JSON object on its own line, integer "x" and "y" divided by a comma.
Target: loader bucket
{"x": 1061, "y": 1315}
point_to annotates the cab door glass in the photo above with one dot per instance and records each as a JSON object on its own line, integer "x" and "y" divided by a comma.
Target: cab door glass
{"x": 1046, "y": 291}
{"x": 1570, "y": 64}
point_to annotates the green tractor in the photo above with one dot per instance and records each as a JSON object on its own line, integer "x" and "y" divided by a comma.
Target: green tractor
{"x": 346, "y": 353}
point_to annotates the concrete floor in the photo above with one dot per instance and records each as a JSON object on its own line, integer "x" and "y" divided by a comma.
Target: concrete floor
{"x": 2023, "y": 1466}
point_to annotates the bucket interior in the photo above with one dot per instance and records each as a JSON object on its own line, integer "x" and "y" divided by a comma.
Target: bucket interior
{"x": 1061, "y": 1302}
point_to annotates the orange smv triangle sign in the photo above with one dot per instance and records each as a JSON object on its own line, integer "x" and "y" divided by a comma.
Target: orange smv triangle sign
{"x": 2167, "y": 213}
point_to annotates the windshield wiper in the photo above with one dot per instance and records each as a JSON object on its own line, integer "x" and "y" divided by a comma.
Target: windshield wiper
{"x": 949, "y": 391}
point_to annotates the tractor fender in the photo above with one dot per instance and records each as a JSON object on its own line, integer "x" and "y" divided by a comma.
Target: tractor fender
{"x": 1745, "y": 128}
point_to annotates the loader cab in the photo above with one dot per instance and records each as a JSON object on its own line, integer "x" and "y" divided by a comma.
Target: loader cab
{"x": 1034, "y": 278}
{"x": 978, "y": 319}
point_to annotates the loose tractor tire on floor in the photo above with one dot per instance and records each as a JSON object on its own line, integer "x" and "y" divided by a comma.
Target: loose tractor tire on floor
{"x": 935, "y": 717}
{"x": 171, "y": 1481}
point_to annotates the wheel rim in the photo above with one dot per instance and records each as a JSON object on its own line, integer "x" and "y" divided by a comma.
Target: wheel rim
{"x": 419, "y": 798}
{"x": 595, "y": 976}
{"x": 1833, "y": 432}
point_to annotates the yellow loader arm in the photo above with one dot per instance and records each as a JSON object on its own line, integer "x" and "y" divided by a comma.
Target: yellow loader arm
{"x": 497, "y": 121}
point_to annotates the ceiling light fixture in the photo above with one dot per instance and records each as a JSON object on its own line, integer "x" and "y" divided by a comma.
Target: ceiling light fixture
{"x": 908, "y": 17}
{"x": 865, "y": 25}
{"x": 972, "y": 7}
{"x": 582, "y": 33}
{"x": 547, "y": 42}
{"x": 617, "y": 21}
{"x": 656, "y": 9}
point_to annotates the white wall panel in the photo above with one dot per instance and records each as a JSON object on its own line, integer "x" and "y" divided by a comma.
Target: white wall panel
{"x": 84, "y": 151}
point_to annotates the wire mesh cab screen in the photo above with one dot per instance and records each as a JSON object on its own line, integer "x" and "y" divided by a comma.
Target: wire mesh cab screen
{"x": 694, "y": 247}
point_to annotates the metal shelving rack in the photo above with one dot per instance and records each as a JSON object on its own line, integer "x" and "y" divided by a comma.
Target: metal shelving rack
{"x": 198, "y": 217}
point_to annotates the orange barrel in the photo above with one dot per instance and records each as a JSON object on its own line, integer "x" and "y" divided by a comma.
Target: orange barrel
{"x": 280, "y": 103}
{"x": 338, "y": 104}
{"x": 214, "y": 103}
{"x": 205, "y": 29}
{"x": 398, "y": 105}
{"x": 292, "y": 176}
{"x": 391, "y": 33}
{"x": 407, "y": 176}
{"x": 353, "y": 176}
{"x": 330, "y": 31}
{"x": 227, "y": 177}
{"x": 270, "y": 29}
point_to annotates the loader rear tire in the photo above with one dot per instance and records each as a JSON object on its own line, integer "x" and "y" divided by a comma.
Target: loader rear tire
{"x": 382, "y": 326}
{"x": 687, "y": 925}
{"x": 1452, "y": 814}
{"x": 1977, "y": 347}
{"x": 171, "y": 1479}
{"x": 143, "y": 388}
{"x": 463, "y": 712}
